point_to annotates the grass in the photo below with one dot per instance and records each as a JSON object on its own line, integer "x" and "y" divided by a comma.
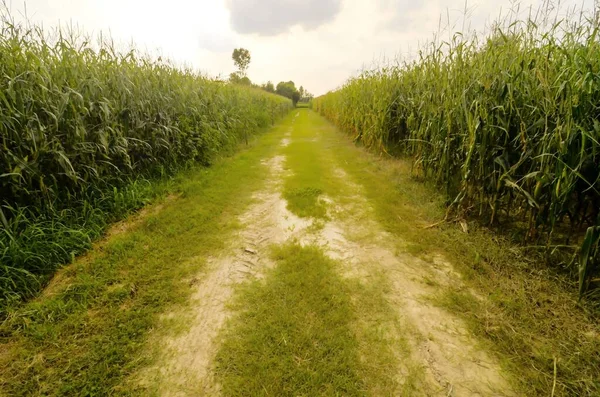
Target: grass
{"x": 312, "y": 179}
{"x": 304, "y": 329}
{"x": 529, "y": 316}
{"x": 85, "y": 334}
{"x": 294, "y": 335}
{"x": 304, "y": 188}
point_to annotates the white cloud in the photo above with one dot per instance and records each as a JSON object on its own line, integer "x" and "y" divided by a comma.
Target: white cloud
{"x": 318, "y": 48}
{"x": 271, "y": 17}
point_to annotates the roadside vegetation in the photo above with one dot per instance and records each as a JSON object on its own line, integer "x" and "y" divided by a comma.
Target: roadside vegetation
{"x": 506, "y": 124}
{"x": 86, "y": 129}
{"x": 86, "y": 333}
{"x": 518, "y": 307}
{"x": 242, "y": 58}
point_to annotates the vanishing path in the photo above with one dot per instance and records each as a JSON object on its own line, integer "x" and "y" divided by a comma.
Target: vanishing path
{"x": 278, "y": 272}
{"x": 320, "y": 298}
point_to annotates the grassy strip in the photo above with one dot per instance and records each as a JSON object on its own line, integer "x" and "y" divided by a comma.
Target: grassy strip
{"x": 303, "y": 188}
{"x": 293, "y": 336}
{"x": 527, "y": 318}
{"x": 304, "y": 330}
{"x": 312, "y": 166}
{"x": 84, "y": 334}
{"x": 55, "y": 239}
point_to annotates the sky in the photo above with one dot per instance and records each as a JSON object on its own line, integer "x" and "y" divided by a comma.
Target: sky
{"x": 315, "y": 43}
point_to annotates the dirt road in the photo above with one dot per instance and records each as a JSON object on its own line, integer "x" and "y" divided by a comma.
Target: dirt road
{"x": 301, "y": 266}
{"x": 406, "y": 345}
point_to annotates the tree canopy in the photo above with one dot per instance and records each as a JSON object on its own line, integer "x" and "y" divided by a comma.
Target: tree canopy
{"x": 288, "y": 89}
{"x": 269, "y": 87}
{"x": 241, "y": 59}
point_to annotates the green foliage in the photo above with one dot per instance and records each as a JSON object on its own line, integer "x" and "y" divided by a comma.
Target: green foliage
{"x": 295, "y": 97}
{"x": 269, "y": 87}
{"x": 88, "y": 333}
{"x": 288, "y": 90}
{"x": 589, "y": 257}
{"x": 82, "y": 127}
{"x": 294, "y": 335}
{"x": 508, "y": 125}
{"x": 241, "y": 59}
{"x": 305, "y": 96}
{"x": 237, "y": 78}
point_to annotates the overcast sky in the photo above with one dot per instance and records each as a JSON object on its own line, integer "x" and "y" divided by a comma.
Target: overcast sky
{"x": 315, "y": 43}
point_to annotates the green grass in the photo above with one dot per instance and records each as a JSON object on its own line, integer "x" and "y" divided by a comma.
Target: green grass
{"x": 310, "y": 164}
{"x": 528, "y": 316}
{"x": 303, "y": 189}
{"x": 304, "y": 330}
{"x": 86, "y": 333}
{"x": 293, "y": 336}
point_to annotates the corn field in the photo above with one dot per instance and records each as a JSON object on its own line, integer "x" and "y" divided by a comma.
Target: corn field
{"x": 507, "y": 125}
{"x": 82, "y": 126}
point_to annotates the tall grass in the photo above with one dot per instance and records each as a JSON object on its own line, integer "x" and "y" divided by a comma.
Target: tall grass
{"x": 507, "y": 124}
{"x": 83, "y": 126}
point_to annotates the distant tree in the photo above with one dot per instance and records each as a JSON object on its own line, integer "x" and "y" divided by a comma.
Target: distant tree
{"x": 286, "y": 89}
{"x": 295, "y": 97}
{"x": 269, "y": 87}
{"x": 301, "y": 91}
{"x": 237, "y": 78}
{"x": 308, "y": 96}
{"x": 241, "y": 59}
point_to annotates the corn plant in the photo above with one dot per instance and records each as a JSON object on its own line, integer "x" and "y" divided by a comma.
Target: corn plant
{"x": 81, "y": 127}
{"x": 507, "y": 124}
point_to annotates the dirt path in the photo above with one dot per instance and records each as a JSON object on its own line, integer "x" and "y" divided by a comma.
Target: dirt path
{"x": 441, "y": 345}
{"x": 448, "y": 360}
{"x": 185, "y": 366}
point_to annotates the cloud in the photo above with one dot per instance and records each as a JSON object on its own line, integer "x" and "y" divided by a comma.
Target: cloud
{"x": 271, "y": 17}
{"x": 407, "y": 16}
{"x": 327, "y": 40}
{"x": 218, "y": 42}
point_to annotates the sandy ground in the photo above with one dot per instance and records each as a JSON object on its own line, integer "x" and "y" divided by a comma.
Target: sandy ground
{"x": 441, "y": 344}
{"x": 453, "y": 363}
